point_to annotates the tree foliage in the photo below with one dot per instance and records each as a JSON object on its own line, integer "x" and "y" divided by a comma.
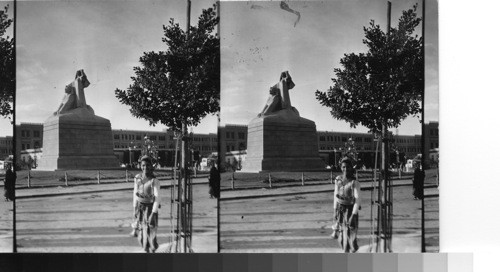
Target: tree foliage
{"x": 182, "y": 84}
{"x": 383, "y": 85}
{"x": 7, "y": 75}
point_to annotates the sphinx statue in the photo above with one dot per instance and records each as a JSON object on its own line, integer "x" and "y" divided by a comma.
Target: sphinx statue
{"x": 279, "y": 97}
{"x": 279, "y": 139}
{"x": 74, "y": 137}
{"x": 75, "y": 96}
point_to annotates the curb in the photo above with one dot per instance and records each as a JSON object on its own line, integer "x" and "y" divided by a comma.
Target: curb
{"x": 311, "y": 183}
{"x": 91, "y": 192}
{"x": 105, "y": 181}
{"x": 313, "y": 192}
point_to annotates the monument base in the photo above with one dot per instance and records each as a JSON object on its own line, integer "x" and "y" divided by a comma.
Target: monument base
{"x": 77, "y": 140}
{"x": 78, "y": 162}
{"x": 283, "y": 141}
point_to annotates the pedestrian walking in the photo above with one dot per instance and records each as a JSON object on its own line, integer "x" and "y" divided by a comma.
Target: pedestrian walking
{"x": 146, "y": 202}
{"x": 418, "y": 181}
{"x": 346, "y": 206}
{"x": 9, "y": 183}
{"x": 214, "y": 181}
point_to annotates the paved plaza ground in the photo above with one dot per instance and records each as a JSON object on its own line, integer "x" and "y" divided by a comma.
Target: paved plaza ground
{"x": 6, "y": 225}
{"x": 96, "y": 218}
{"x": 299, "y": 219}
{"x": 6, "y": 219}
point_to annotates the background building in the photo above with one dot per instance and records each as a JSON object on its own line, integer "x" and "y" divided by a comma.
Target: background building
{"x": 6, "y": 147}
{"x": 331, "y": 145}
{"x": 128, "y": 144}
{"x": 432, "y": 142}
{"x": 233, "y": 143}
{"x": 432, "y": 135}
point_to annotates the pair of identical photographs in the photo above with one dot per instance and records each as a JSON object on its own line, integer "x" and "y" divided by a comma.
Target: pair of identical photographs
{"x": 278, "y": 149}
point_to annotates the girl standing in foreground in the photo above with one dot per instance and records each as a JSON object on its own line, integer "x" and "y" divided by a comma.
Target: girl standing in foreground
{"x": 146, "y": 201}
{"x": 346, "y": 205}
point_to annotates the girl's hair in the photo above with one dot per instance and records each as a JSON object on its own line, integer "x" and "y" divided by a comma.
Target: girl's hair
{"x": 147, "y": 159}
{"x": 347, "y": 161}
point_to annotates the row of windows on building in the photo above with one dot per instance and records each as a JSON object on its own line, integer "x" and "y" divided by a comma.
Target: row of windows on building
{"x": 360, "y": 148}
{"x": 28, "y": 146}
{"x": 205, "y": 148}
{"x": 204, "y": 139}
{"x": 434, "y": 145}
{"x": 332, "y": 138}
{"x": 172, "y": 146}
{"x": 233, "y": 148}
{"x": 231, "y": 134}
{"x": 130, "y": 137}
{"x": 27, "y": 133}
{"x": 408, "y": 141}
{"x": 126, "y": 146}
{"x": 434, "y": 132}
{"x": 367, "y": 148}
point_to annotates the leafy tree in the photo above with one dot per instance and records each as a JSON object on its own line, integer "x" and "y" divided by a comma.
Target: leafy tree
{"x": 384, "y": 85}
{"x": 7, "y": 76}
{"x": 378, "y": 89}
{"x": 180, "y": 85}
{"x": 177, "y": 88}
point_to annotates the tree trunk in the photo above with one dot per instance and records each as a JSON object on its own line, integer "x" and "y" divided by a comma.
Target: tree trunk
{"x": 185, "y": 235}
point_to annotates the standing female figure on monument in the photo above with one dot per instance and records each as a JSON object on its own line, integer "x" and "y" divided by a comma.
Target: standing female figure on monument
{"x": 346, "y": 205}
{"x": 146, "y": 202}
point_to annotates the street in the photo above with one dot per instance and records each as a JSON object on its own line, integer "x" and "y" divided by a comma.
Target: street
{"x": 100, "y": 221}
{"x": 6, "y": 226}
{"x": 302, "y": 222}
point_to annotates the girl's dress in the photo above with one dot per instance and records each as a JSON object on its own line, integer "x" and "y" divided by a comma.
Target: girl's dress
{"x": 145, "y": 198}
{"x": 347, "y": 232}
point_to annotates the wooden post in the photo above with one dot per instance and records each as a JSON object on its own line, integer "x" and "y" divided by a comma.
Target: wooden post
{"x": 98, "y": 177}
{"x": 29, "y": 177}
{"x": 302, "y": 178}
{"x": 384, "y": 211}
{"x": 357, "y": 175}
{"x": 422, "y": 138}
{"x": 399, "y": 172}
{"x": 331, "y": 177}
{"x": 232, "y": 181}
{"x": 270, "y": 181}
{"x": 126, "y": 175}
{"x": 66, "y": 178}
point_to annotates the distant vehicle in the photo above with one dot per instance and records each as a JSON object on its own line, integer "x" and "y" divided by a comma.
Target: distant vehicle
{"x": 204, "y": 164}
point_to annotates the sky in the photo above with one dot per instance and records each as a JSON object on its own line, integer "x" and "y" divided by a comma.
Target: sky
{"x": 105, "y": 38}
{"x": 259, "y": 41}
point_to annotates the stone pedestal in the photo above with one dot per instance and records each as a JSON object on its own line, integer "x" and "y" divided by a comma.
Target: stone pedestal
{"x": 283, "y": 141}
{"x": 77, "y": 140}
